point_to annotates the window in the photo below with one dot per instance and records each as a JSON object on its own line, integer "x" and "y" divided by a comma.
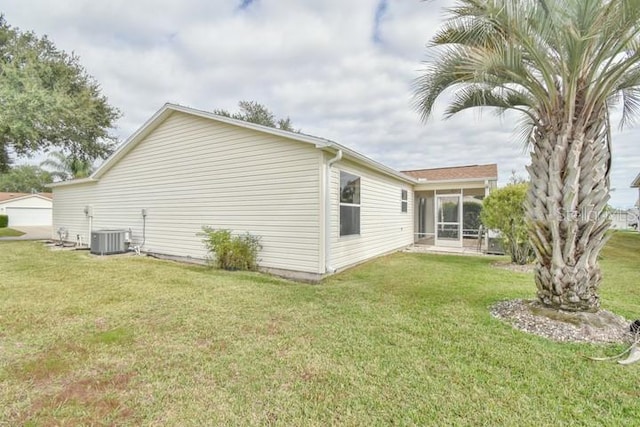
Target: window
{"x": 349, "y": 204}
{"x": 403, "y": 201}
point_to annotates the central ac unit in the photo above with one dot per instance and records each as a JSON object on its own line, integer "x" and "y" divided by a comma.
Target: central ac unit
{"x": 107, "y": 242}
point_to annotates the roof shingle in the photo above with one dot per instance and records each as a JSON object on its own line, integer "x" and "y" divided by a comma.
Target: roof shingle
{"x": 8, "y": 196}
{"x": 456, "y": 173}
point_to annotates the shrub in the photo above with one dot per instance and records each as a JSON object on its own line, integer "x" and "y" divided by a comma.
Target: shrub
{"x": 229, "y": 252}
{"x": 503, "y": 210}
{"x": 4, "y": 221}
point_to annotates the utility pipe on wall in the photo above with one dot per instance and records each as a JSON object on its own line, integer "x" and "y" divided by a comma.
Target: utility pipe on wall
{"x": 88, "y": 211}
{"x": 327, "y": 213}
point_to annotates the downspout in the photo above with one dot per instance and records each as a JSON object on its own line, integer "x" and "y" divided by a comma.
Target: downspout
{"x": 327, "y": 213}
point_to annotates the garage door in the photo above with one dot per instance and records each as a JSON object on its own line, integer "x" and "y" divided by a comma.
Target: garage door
{"x": 29, "y": 216}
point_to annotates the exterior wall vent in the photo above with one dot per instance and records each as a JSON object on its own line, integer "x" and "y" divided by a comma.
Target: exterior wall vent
{"x": 107, "y": 242}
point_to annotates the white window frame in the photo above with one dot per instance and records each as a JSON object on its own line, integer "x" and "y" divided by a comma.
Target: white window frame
{"x": 357, "y": 205}
{"x": 404, "y": 201}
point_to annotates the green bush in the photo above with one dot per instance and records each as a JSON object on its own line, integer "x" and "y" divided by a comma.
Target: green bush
{"x": 4, "y": 221}
{"x": 503, "y": 210}
{"x": 231, "y": 252}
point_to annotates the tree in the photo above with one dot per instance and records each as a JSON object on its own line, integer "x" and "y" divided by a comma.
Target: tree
{"x": 503, "y": 210}
{"x": 517, "y": 179}
{"x": 561, "y": 64}
{"x": 25, "y": 179}
{"x": 67, "y": 167}
{"x": 254, "y": 112}
{"x": 49, "y": 101}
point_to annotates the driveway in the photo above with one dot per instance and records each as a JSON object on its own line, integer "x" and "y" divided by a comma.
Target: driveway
{"x": 32, "y": 233}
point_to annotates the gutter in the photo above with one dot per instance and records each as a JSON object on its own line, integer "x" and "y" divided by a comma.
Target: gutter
{"x": 367, "y": 162}
{"x": 455, "y": 180}
{"x": 327, "y": 213}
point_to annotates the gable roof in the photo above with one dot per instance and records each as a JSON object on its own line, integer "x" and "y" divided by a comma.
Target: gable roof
{"x": 16, "y": 196}
{"x": 636, "y": 182}
{"x": 9, "y": 196}
{"x": 458, "y": 173}
{"x": 168, "y": 109}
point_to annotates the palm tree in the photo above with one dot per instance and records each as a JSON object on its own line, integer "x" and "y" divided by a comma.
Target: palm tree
{"x": 561, "y": 64}
{"x": 65, "y": 167}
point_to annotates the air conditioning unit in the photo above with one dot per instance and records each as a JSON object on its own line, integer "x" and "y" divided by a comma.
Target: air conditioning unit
{"x": 107, "y": 242}
{"x": 495, "y": 246}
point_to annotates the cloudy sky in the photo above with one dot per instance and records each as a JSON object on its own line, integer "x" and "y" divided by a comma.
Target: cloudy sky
{"x": 340, "y": 69}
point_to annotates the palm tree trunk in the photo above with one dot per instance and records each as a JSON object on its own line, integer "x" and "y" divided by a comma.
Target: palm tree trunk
{"x": 565, "y": 211}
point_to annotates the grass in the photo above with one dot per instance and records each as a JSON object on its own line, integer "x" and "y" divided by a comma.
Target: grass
{"x": 10, "y": 232}
{"x": 406, "y": 339}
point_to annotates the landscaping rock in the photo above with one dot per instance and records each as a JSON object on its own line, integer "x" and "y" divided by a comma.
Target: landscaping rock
{"x": 564, "y": 326}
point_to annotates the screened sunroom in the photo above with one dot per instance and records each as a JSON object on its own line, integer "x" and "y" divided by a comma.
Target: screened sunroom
{"x": 448, "y": 202}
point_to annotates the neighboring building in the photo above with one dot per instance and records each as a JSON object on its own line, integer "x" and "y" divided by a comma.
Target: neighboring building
{"x": 634, "y": 221}
{"x": 636, "y": 184}
{"x": 26, "y": 209}
{"x": 624, "y": 219}
{"x": 317, "y": 205}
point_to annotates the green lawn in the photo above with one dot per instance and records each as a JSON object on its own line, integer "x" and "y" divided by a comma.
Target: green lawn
{"x": 10, "y": 232}
{"x": 404, "y": 340}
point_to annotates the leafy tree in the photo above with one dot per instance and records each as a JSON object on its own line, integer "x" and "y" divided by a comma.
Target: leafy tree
{"x": 254, "y": 112}
{"x": 25, "y": 179}
{"x": 503, "y": 210}
{"x": 67, "y": 167}
{"x": 48, "y": 101}
{"x": 561, "y": 64}
{"x": 517, "y": 179}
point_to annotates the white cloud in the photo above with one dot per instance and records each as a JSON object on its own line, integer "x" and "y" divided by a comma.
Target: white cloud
{"x": 315, "y": 61}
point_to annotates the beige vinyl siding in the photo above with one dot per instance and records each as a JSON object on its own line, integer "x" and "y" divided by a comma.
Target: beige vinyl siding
{"x": 383, "y": 227}
{"x": 191, "y": 172}
{"x": 68, "y": 210}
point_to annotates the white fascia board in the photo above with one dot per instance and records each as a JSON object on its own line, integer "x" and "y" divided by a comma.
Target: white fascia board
{"x": 445, "y": 181}
{"x": 71, "y": 182}
{"x": 168, "y": 109}
{"x": 370, "y": 163}
{"x": 317, "y": 141}
{"x": 137, "y": 136}
{"x": 453, "y": 183}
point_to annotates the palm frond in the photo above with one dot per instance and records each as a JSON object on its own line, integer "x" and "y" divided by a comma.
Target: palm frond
{"x": 502, "y": 99}
{"x": 569, "y": 57}
{"x": 524, "y": 129}
{"x": 449, "y": 70}
{"x": 630, "y": 106}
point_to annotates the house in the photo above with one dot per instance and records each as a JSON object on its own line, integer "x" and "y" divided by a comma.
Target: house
{"x": 318, "y": 206}
{"x": 636, "y": 184}
{"x": 623, "y": 219}
{"x": 442, "y": 188}
{"x": 26, "y": 209}
{"x": 634, "y": 221}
